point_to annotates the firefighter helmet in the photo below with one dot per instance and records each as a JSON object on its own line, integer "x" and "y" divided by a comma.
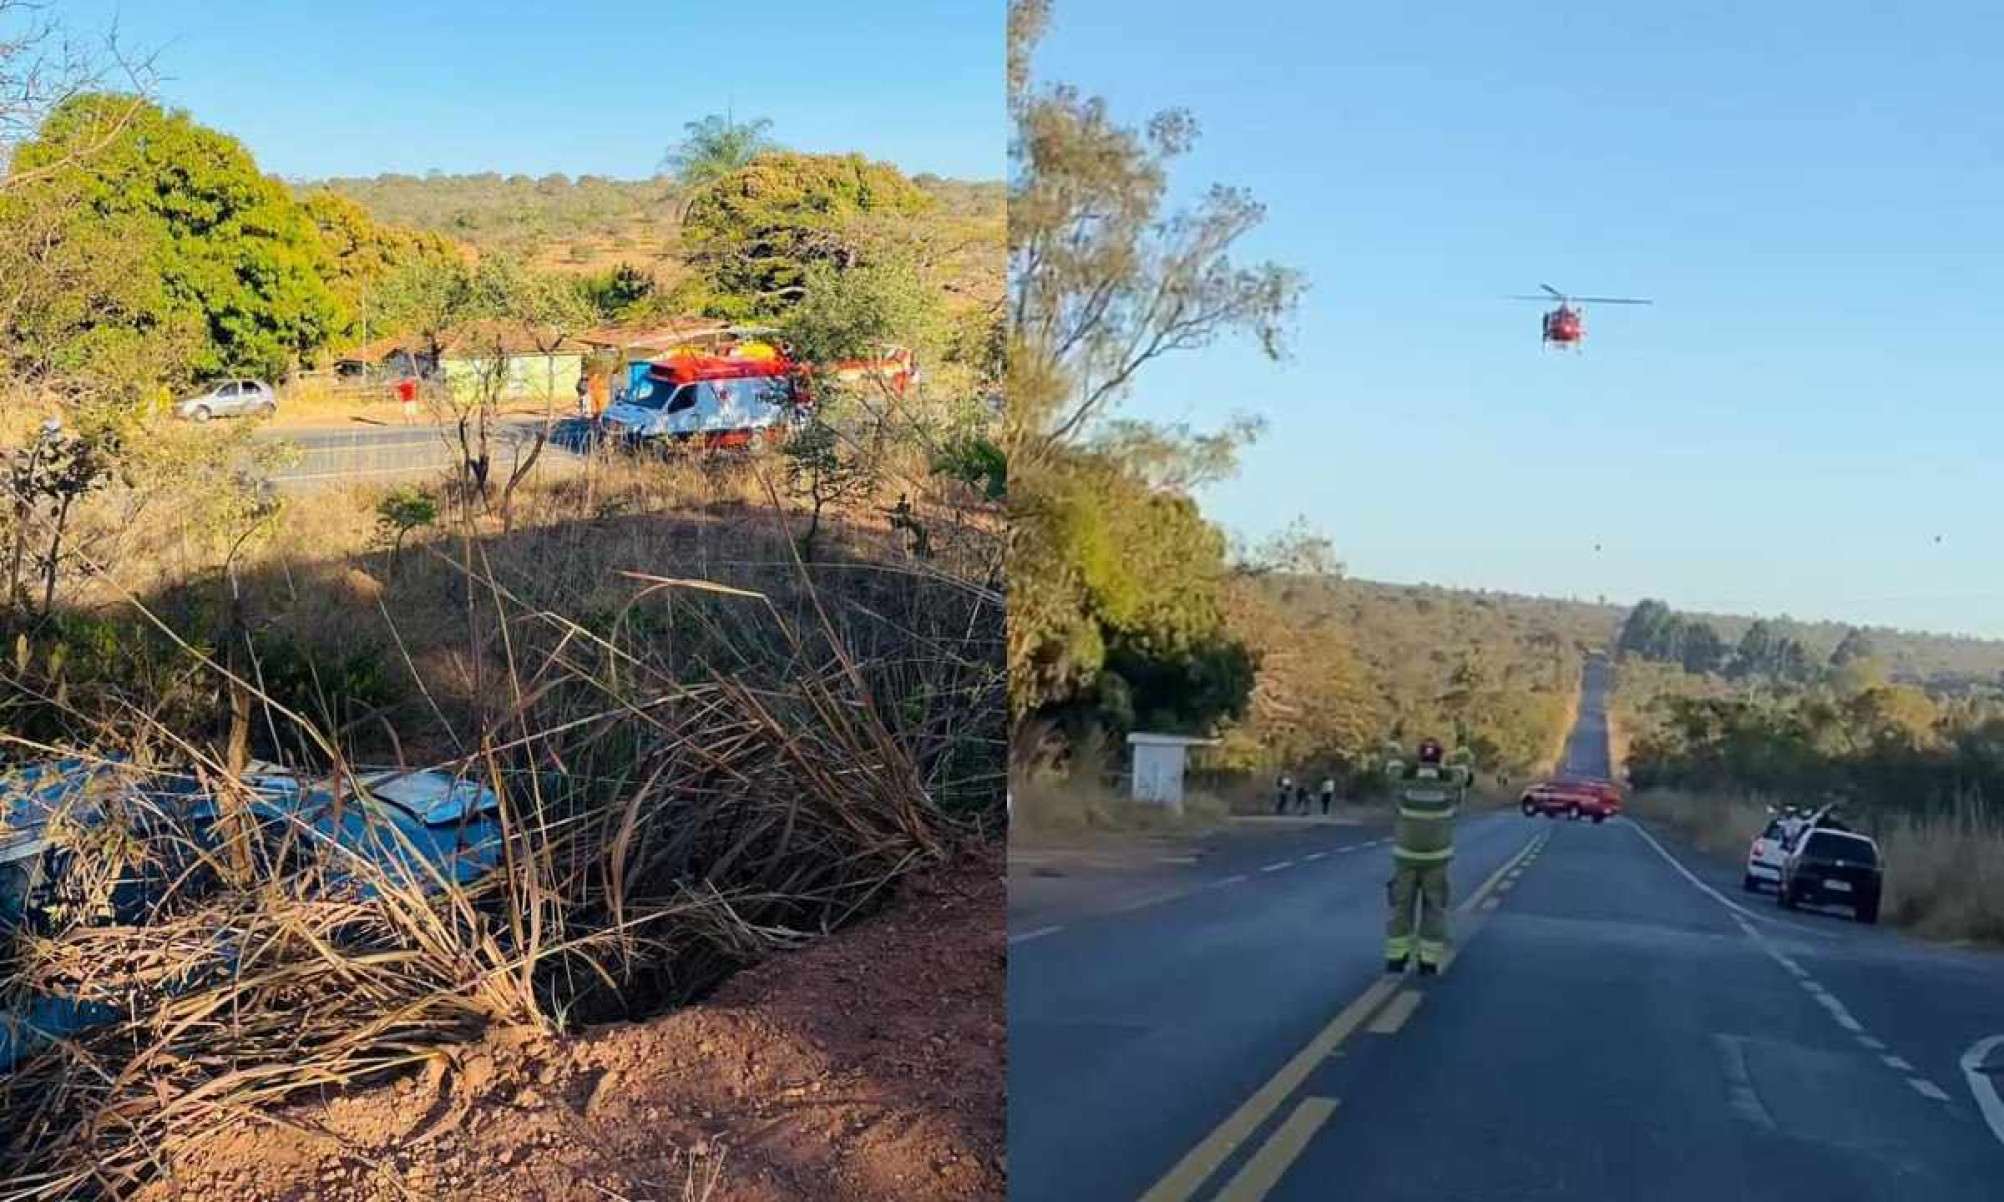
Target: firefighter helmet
{"x": 1429, "y": 751}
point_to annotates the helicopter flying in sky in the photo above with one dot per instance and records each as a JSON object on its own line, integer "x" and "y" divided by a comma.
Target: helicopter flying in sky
{"x": 1565, "y": 326}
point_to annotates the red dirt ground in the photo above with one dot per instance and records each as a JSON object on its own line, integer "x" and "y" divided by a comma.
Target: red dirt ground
{"x": 866, "y": 1066}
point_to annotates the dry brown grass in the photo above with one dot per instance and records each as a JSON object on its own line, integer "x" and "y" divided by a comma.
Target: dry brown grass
{"x": 1944, "y": 873}
{"x": 1047, "y": 808}
{"x": 705, "y": 749}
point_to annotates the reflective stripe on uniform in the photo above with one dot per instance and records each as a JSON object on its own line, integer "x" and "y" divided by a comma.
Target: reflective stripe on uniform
{"x": 1423, "y": 857}
{"x": 1427, "y": 815}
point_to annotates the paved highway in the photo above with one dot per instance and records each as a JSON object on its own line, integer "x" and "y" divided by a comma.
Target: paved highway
{"x": 333, "y": 455}
{"x": 1617, "y": 1021}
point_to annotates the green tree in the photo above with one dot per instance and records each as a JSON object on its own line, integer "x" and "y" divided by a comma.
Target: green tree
{"x": 1104, "y": 280}
{"x": 1134, "y": 586}
{"x": 716, "y": 146}
{"x": 227, "y": 243}
{"x": 359, "y": 254}
{"x": 621, "y": 293}
{"x": 752, "y": 235}
{"x": 1113, "y": 571}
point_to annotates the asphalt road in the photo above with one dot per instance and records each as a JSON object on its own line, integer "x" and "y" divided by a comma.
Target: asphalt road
{"x": 366, "y": 452}
{"x": 1617, "y": 1021}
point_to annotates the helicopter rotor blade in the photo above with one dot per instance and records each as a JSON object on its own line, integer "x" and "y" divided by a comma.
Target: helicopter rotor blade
{"x": 1556, "y": 294}
{"x": 1612, "y": 300}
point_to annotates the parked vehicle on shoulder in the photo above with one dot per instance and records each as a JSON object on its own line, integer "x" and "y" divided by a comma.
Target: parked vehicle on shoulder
{"x": 239, "y": 397}
{"x": 1766, "y": 854}
{"x": 1833, "y": 867}
{"x": 708, "y": 402}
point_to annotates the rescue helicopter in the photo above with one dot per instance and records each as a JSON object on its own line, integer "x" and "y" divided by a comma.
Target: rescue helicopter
{"x": 1565, "y": 326}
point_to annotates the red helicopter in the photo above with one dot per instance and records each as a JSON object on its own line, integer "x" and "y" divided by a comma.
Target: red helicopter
{"x": 1565, "y": 326}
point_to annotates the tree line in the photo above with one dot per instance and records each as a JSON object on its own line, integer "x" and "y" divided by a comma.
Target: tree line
{"x": 1770, "y": 718}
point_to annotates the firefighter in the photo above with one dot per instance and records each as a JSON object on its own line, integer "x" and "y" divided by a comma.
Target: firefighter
{"x": 1423, "y": 846}
{"x": 1283, "y": 792}
{"x": 1328, "y": 794}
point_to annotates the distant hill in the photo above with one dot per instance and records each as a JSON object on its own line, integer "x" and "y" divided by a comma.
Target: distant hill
{"x": 591, "y": 222}
{"x": 582, "y": 224}
{"x": 1947, "y": 661}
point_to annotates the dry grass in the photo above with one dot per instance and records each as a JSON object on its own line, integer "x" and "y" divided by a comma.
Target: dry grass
{"x": 1617, "y": 743}
{"x": 1048, "y": 808}
{"x": 705, "y": 749}
{"x": 1944, "y": 872}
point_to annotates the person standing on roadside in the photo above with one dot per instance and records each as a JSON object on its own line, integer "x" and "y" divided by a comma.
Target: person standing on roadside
{"x": 1283, "y": 792}
{"x": 407, "y": 397}
{"x": 1328, "y": 794}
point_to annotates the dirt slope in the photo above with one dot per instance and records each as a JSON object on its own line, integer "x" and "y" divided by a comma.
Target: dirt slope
{"x": 868, "y": 1066}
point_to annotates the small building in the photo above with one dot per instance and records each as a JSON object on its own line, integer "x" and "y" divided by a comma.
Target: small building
{"x": 532, "y": 363}
{"x": 1159, "y": 761}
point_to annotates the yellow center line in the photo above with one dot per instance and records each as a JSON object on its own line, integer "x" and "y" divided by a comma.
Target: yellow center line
{"x": 1278, "y": 1154}
{"x": 1394, "y": 1016}
{"x": 1189, "y": 1174}
{"x": 1477, "y": 899}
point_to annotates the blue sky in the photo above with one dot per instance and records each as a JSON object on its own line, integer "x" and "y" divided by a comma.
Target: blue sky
{"x": 1813, "y": 194}
{"x": 588, "y": 86}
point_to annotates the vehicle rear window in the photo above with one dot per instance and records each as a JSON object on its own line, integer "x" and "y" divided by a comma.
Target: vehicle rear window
{"x": 1773, "y": 831}
{"x": 1825, "y": 846}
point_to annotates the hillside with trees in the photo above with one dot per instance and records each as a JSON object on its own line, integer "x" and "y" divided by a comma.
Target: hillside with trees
{"x": 1778, "y": 715}
{"x": 1741, "y": 646}
{"x": 594, "y": 225}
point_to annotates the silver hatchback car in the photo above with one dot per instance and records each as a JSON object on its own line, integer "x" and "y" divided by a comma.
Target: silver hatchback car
{"x": 229, "y": 398}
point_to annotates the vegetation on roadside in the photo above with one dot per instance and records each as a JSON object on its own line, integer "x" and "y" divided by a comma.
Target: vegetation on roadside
{"x": 1793, "y": 730}
{"x": 713, "y": 733}
{"x": 1915, "y": 761}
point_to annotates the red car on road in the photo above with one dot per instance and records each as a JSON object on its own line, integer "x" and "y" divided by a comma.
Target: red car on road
{"x": 1574, "y": 797}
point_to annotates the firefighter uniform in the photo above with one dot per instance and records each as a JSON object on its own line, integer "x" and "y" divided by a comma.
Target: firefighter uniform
{"x": 1423, "y": 847}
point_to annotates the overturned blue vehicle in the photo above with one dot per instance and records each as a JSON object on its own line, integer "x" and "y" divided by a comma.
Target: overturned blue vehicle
{"x": 370, "y": 829}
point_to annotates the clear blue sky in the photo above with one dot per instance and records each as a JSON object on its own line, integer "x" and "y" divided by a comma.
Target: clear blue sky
{"x": 586, "y": 86}
{"x": 1813, "y": 193}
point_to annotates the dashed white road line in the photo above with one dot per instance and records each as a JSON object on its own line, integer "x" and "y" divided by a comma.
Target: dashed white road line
{"x": 1315, "y": 855}
{"x": 1237, "y": 878}
{"x": 1277, "y": 866}
{"x": 1975, "y": 1063}
{"x": 1153, "y": 899}
{"x": 1980, "y": 1083}
{"x": 1714, "y": 894}
{"x": 1039, "y": 933}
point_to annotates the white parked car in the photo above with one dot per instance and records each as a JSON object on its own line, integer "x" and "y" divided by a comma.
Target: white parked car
{"x": 229, "y": 398}
{"x": 1767, "y": 854}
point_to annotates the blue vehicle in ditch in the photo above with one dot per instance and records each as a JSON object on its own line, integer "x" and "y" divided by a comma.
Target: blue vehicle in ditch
{"x": 392, "y": 827}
